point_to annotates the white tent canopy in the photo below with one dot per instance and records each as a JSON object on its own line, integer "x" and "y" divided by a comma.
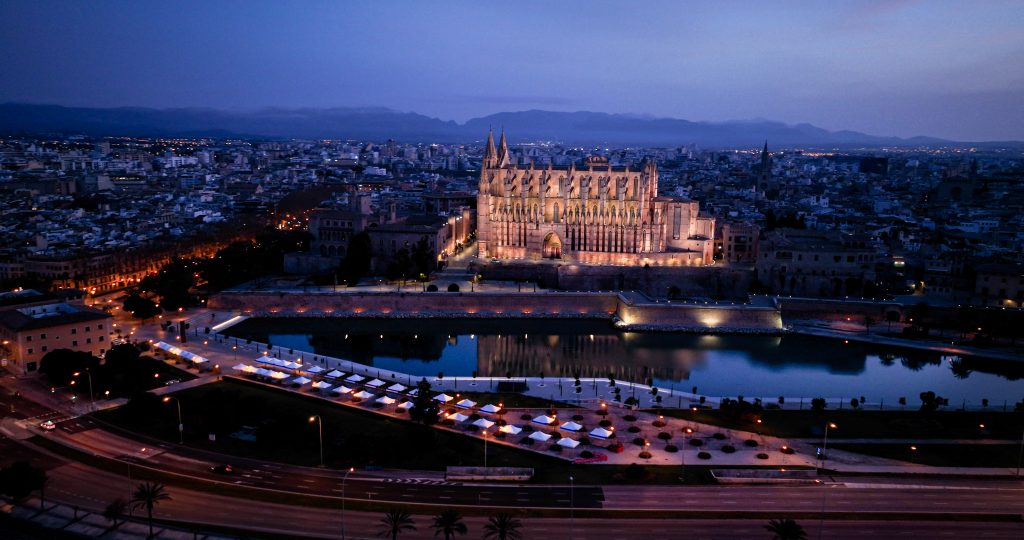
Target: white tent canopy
{"x": 386, "y": 400}
{"x": 568, "y": 443}
{"x": 396, "y": 388}
{"x": 277, "y": 375}
{"x": 376, "y": 383}
{"x": 543, "y": 420}
{"x": 539, "y": 436}
{"x": 405, "y": 405}
{"x": 490, "y": 408}
{"x": 178, "y": 351}
{"x": 510, "y": 429}
{"x": 466, "y": 404}
{"x": 315, "y": 369}
{"x": 334, "y": 374}
{"x": 459, "y": 417}
{"x": 571, "y": 426}
{"x": 322, "y": 385}
{"x": 341, "y": 389}
{"x": 268, "y": 360}
{"x": 301, "y": 380}
{"x": 241, "y": 367}
{"x": 290, "y": 365}
{"x": 264, "y": 372}
{"x": 363, "y": 394}
{"x": 443, "y": 398}
{"x": 355, "y": 378}
{"x": 601, "y": 433}
{"x": 483, "y": 423}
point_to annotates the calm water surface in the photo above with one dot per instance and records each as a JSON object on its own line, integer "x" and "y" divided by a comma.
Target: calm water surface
{"x": 726, "y": 365}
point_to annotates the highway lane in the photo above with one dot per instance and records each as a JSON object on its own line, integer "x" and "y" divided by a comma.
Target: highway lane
{"x": 851, "y": 494}
{"x": 91, "y": 489}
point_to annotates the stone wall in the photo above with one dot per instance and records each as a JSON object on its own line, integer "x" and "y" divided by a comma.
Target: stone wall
{"x": 632, "y": 312}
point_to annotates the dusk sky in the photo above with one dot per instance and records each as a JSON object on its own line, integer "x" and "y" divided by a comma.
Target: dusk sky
{"x": 945, "y": 69}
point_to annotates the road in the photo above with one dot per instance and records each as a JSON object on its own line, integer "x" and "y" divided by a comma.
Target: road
{"x": 91, "y": 489}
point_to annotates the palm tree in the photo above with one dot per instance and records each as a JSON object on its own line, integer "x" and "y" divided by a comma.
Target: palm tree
{"x": 147, "y": 495}
{"x": 450, "y": 523}
{"x": 786, "y": 529}
{"x": 114, "y": 511}
{"x": 396, "y": 522}
{"x": 503, "y": 527}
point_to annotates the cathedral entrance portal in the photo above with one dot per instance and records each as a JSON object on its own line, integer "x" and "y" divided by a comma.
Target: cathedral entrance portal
{"x": 552, "y": 247}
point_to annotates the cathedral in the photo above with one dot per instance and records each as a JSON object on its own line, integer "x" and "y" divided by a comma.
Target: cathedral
{"x": 597, "y": 214}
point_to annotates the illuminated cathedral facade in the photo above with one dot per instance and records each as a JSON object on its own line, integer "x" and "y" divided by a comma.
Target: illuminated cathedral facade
{"x": 597, "y": 214}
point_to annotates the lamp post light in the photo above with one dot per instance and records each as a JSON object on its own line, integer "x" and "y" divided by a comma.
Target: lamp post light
{"x": 92, "y": 400}
{"x": 824, "y": 445}
{"x": 572, "y": 508}
{"x": 343, "y": 479}
{"x": 320, "y": 426}
{"x": 485, "y": 447}
{"x": 181, "y": 426}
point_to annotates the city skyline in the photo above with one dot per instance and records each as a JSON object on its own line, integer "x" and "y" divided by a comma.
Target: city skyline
{"x": 884, "y": 68}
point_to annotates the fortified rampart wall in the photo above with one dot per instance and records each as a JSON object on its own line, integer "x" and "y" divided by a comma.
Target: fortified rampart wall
{"x": 627, "y": 313}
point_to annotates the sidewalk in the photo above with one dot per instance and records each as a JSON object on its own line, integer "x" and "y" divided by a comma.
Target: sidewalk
{"x": 830, "y": 331}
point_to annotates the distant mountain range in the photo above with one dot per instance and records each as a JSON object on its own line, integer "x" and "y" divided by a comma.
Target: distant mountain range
{"x": 378, "y": 123}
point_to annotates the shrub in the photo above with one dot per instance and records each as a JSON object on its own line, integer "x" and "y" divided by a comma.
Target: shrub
{"x": 555, "y": 448}
{"x": 453, "y": 288}
{"x": 527, "y": 441}
{"x": 729, "y": 449}
{"x": 635, "y": 472}
{"x": 633, "y": 429}
{"x": 601, "y": 412}
{"x": 703, "y": 455}
{"x": 645, "y": 455}
{"x": 664, "y": 435}
{"x": 751, "y": 443}
{"x": 640, "y": 441}
{"x": 671, "y": 449}
{"x": 719, "y": 436}
{"x": 586, "y": 454}
{"x": 585, "y": 441}
{"x": 499, "y": 434}
{"x": 605, "y": 423}
{"x": 818, "y": 404}
{"x": 526, "y": 417}
{"x": 471, "y": 428}
{"x": 788, "y": 450}
{"x": 555, "y": 436}
{"x": 762, "y": 456}
{"x": 577, "y": 417}
{"x": 431, "y": 288}
{"x": 658, "y": 423}
{"x": 615, "y": 446}
{"x": 629, "y": 418}
{"x": 696, "y": 442}
{"x": 501, "y": 423}
{"x": 474, "y": 417}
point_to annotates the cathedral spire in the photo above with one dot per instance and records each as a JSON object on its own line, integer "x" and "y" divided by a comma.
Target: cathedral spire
{"x": 503, "y": 157}
{"x": 490, "y": 155}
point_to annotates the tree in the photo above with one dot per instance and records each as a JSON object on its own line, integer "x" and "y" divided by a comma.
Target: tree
{"x": 786, "y": 529}
{"x": 114, "y": 510}
{"x": 818, "y": 404}
{"x": 424, "y": 409}
{"x": 146, "y": 496}
{"x": 454, "y": 287}
{"x": 396, "y": 522}
{"x": 20, "y": 479}
{"x": 503, "y": 527}
{"x": 357, "y": 258}
{"x": 449, "y": 522}
{"x": 141, "y": 308}
{"x": 930, "y": 402}
{"x": 60, "y": 365}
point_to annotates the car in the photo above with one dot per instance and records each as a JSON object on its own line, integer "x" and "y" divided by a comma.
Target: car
{"x": 48, "y": 425}
{"x": 172, "y": 381}
{"x": 222, "y": 469}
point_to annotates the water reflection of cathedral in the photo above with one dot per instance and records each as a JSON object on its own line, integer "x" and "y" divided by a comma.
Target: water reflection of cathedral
{"x": 591, "y": 355}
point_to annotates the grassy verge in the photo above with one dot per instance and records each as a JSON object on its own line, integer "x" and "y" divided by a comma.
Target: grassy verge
{"x": 869, "y": 424}
{"x": 942, "y": 455}
{"x": 352, "y": 438}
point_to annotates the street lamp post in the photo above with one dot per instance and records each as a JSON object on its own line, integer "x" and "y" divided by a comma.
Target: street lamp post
{"x": 572, "y": 508}
{"x": 320, "y": 426}
{"x": 92, "y": 400}
{"x": 485, "y": 448}
{"x": 343, "y": 479}
{"x": 1020, "y": 455}
{"x": 181, "y": 426}
{"x": 824, "y": 445}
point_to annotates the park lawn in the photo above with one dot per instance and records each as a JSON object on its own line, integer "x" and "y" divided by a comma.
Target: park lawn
{"x": 942, "y": 455}
{"x": 868, "y": 423}
{"x": 352, "y": 438}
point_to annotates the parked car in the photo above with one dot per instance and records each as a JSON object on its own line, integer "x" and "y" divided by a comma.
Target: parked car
{"x": 48, "y": 425}
{"x": 222, "y": 469}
